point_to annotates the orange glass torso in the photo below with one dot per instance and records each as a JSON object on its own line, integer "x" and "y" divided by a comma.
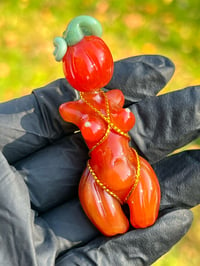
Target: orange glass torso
{"x": 113, "y": 162}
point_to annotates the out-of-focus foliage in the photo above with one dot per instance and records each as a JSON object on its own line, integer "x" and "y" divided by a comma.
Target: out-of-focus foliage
{"x": 131, "y": 27}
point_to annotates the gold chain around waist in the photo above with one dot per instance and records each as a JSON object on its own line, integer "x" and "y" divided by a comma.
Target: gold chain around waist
{"x": 109, "y": 191}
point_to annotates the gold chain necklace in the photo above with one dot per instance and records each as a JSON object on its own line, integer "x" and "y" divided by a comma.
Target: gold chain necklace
{"x": 105, "y": 117}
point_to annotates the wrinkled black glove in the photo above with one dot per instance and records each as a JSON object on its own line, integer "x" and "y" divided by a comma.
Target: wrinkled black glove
{"x": 41, "y": 161}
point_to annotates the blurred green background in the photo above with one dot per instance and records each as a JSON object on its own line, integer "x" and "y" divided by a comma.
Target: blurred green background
{"x": 131, "y": 27}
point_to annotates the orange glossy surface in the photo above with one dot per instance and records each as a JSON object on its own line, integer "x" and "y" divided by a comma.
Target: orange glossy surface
{"x": 115, "y": 174}
{"x": 114, "y": 163}
{"x": 102, "y": 209}
{"x": 144, "y": 202}
{"x": 93, "y": 58}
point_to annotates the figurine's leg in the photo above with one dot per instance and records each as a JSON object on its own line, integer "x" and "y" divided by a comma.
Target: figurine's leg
{"x": 144, "y": 202}
{"x": 102, "y": 209}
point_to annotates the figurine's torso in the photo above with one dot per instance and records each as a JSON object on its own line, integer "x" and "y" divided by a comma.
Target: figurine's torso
{"x": 111, "y": 157}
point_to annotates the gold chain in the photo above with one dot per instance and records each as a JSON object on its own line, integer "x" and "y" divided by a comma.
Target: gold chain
{"x": 104, "y": 187}
{"x": 137, "y": 176}
{"x": 110, "y": 125}
{"x": 105, "y": 117}
{"x": 101, "y": 140}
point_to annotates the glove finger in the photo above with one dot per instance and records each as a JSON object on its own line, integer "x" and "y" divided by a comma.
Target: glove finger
{"x": 166, "y": 123}
{"x": 179, "y": 180}
{"x": 52, "y": 174}
{"x": 137, "y": 247}
{"x": 16, "y": 219}
{"x": 27, "y": 240}
{"x": 70, "y": 225}
{"x": 29, "y": 123}
{"x": 141, "y": 76}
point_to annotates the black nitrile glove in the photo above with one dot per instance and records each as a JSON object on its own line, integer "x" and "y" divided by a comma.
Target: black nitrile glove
{"x": 41, "y": 161}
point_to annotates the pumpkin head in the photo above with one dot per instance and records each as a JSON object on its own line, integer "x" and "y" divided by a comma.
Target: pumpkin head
{"x": 87, "y": 61}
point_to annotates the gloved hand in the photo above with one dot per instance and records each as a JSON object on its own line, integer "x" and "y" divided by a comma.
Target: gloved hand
{"x": 42, "y": 158}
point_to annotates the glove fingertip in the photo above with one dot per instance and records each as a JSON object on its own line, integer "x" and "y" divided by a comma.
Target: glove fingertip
{"x": 141, "y": 76}
{"x": 172, "y": 226}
